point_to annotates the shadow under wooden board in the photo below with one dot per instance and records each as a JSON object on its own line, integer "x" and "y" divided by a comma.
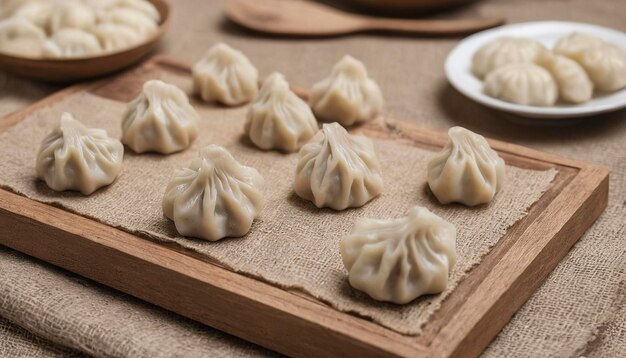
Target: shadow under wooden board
{"x": 292, "y": 322}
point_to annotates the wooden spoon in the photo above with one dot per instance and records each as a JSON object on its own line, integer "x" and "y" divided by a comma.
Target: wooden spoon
{"x": 306, "y": 18}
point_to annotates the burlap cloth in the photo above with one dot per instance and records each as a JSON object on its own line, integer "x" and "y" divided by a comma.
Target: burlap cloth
{"x": 578, "y": 311}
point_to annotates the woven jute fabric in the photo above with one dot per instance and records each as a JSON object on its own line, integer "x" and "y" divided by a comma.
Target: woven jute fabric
{"x": 15, "y": 341}
{"x": 580, "y": 309}
{"x": 292, "y": 244}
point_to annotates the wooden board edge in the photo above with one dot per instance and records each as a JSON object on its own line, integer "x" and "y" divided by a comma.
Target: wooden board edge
{"x": 139, "y": 267}
{"x": 539, "y": 251}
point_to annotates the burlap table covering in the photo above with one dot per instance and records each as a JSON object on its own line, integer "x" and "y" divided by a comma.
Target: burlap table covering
{"x": 580, "y": 309}
{"x": 292, "y": 244}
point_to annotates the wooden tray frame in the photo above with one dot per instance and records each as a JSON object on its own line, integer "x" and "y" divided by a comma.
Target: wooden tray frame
{"x": 294, "y": 323}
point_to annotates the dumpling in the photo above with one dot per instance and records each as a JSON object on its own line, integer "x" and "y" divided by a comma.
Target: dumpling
{"x": 348, "y": 96}
{"x": 37, "y": 12}
{"x": 143, "y": 6}
{"x": 225, "y": 75}
{"x": 278, "y": 119}
{"x": 114, "y": 37}
{"x": 573, "y": 83}
{"x": 505, "y": 51}
{"x": 522, "y": 83}
{"x": 73, "y": 15}
{"x": 466, "y": 171}
{"x": 575, "y": 44}
{"x": 215, "y": 197}
{"x": 606, "y": 67}
{"x": 137, "y": 20}
{"x": 160, "y": 119}
{"x": 20, "y": 37}
{"x": 68, "y": 43}
{"x": 398, "y": 260}
{"x": 338, "y": 170}
{"x": 74, "y": 157}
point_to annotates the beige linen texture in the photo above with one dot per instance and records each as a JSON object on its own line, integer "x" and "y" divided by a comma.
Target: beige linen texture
{"x": 292, "y": 244}
{"x": 579, "y": 310}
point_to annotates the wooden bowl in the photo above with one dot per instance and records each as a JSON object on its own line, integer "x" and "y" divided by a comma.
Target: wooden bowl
{"x": 75, "y": 69}
{"x": 409, "y": 5}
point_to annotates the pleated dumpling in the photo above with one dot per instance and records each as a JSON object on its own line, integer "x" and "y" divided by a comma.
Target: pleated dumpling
{"x": 215, "y": 197}
{"x": 135, "y": 19}
{"x": 606, "y": 66}
{"x": 348, "y": 96}
{"x": 68, "y": 43}
{"x": 522, "y": 83}
{"x": 37, "y": 12}
{"x": 338, "y": 170}
{"x": 71, "y": 14}
{"x": 74, "y": 157}
{"x": 278, "y": 119}
{"x": 225, "y": 75}
{"x": 114, "y": 37}
{"x": 467, "y": 170}
{"x": 573, "y": 83}
{"x": 505, "y": 51}
{"x": 20, "y": 37}
{"x": 398, "y": 260}
{"x": 142, "y": 6}
{"x": 575, "y": 44}
{"x": 160, "y": 119}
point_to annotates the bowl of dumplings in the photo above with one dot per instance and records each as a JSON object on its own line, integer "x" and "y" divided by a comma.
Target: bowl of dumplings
{"x": 71, "y": 40}
{"x": 543, "y": 70}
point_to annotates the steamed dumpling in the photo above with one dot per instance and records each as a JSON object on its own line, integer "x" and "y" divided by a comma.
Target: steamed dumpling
{"x": 73, "y": 15}
{"x": 466, "y": 171}
{"x": 278, "y": 119}
{"x": 522, "y": 83}
{"x": 606, "y": 67}
{"x": 575, "y": 44}
{"x": 68, "y": 43}
{"x": 225, "y": 75}
{"x": 505, "y": 51}
{"x": 37, "y": 12}
{"x": 215, "y": 197}
{"x": 142, "y": 6}
{"x": 398, "y": 260}
{"x": 338, "y": 170}
{"x": 160, "y": 119}
{"x": 136, "y": 20}
{"x": 348, "y": 96}
{"x": 20, "y": 37}
{"x": 115, "y": 37}
{"x": 573, "y": 83}
{"x": 74, "y": 157}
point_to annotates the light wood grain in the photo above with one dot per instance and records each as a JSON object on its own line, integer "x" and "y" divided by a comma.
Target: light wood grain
{"x": 307, "y": 18}
{"x": 293, "y": 322}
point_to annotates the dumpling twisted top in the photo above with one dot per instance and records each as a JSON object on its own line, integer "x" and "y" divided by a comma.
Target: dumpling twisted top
{"x": 160, "y": 119}
{"x": 215, "y": 197}
{"x": 505, "y": 51}
{"x": 467, "y": 170}
{"x": 338, "y": 170}
{"x": 398, "y": 260}
{"x": 225, "y": 75}
{"x": 278, "y": 119}
{"x": 74, "y": 157}
{"x": 348, "y": 96}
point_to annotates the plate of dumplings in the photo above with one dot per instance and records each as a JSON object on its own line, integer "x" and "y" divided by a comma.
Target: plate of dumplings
{"x": 69, "y": 40}
{"x": 544, "y": 70}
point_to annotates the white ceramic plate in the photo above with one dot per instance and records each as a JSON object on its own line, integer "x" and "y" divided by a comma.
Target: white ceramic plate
{"x": 459, "y": 61}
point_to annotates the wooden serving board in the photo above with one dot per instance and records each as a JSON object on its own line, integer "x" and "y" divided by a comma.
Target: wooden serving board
{"x": 292, "y": 322}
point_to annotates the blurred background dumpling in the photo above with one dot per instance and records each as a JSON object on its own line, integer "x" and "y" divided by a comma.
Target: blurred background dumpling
{"x": 71, "y": 14}
{"x": 574, "y": 85}
{"x": 225, "y": 75}
{"x": 115, "y": 37}
{"x": 522, "y": 83}
{"x": 606, "y": 66}
{"x": 278, "y": 119}
{"x": 398, "y": 260}
{"x": 338, "y": 170}
{"x": 21, "y": 37}
{"x": 68, "y": 43}
{"x": 215, "y": 197}
{"x": 505, "y": 51}
{"x": 137, "y": 20}
{"x": 467, "y": 170}
{"x": 160, "y": 119}
{"x": 35, "y": 11}
{"x": 74, "y": 157}
{"x": 348, "y": 96}
{"x": 575, "y": 44}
